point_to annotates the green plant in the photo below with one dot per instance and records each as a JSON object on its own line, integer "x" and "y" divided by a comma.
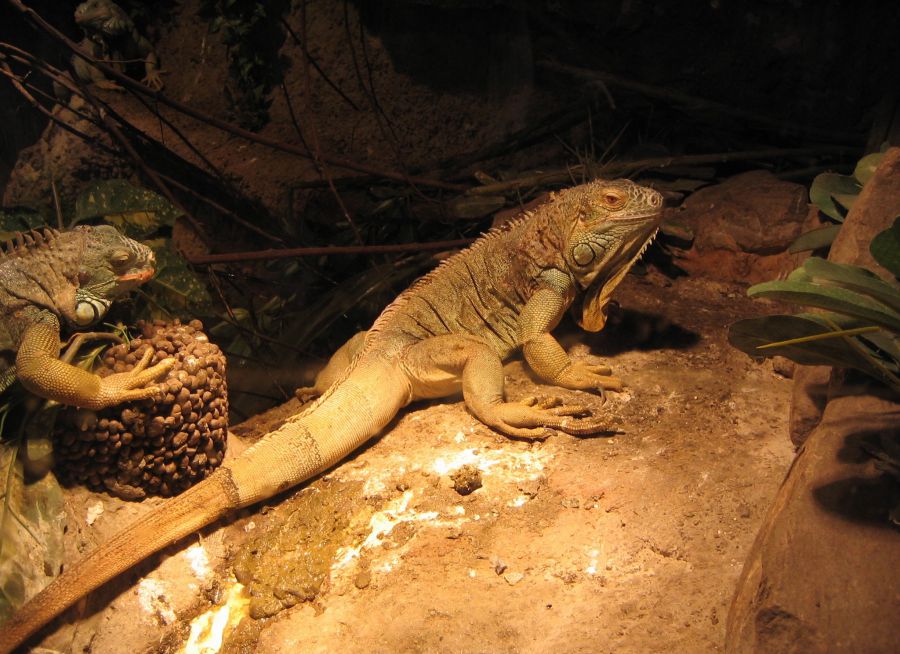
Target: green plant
{"x": 253, "y": 36}
{"x": 834, "y": 196}
{"x": 858, "y": 322}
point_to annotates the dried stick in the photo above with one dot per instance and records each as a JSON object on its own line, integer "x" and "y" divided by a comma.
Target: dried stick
{"x": 288, "y": 253}
{"x": 628, "y": 167}
{"x": 692, "y": 102}
{"x": 225, "y": 126}
{"x": 315, "y": 64}
{"x": 113, "y": 129}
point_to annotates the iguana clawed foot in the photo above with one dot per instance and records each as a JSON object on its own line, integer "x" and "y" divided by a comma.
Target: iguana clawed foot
{"x": 132, "y": 385}
{"x": 584, "y": 376}
{"x": 537, "y": 419}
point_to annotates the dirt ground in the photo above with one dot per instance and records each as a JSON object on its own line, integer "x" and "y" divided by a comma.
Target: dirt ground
{"x": 630, "y": 543}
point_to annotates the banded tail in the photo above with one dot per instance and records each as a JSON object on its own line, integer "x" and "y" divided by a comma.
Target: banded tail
{"x": 344, "y": 418}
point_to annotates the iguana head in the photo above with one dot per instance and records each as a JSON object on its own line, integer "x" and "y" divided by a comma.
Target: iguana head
{"x": 111, "y": 266}
{"x": 614, "y": 223}
{"x": 101, "y": 16}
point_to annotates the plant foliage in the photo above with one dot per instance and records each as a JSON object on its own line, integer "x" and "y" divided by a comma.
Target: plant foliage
{"x": 858, "y": 323}
{"x": 252, "y": 33}
{"x": 834, "y": 195}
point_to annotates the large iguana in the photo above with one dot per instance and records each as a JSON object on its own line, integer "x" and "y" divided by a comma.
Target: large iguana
{"x": 449, "y": 331}
{"x": 73, "y": 276}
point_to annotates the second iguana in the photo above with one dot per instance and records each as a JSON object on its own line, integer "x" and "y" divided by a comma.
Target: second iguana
{"x": 449, "y": 331}
{"x": 50, "y": 278}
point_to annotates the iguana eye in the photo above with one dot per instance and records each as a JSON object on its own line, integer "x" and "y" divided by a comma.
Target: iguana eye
{"x": 613, "y": 199}
{"x": 120, "y": 258}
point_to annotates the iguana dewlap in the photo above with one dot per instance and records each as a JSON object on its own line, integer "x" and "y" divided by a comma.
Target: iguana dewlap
{"x": 449, "y": 331}
{"x": 72, "y": 277}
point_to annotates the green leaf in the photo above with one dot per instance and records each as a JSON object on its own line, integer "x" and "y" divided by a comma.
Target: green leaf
{"x": 814, "y": 239}
{"x": 866, "y": 166}
{"x": 175, "y": 290}
{"x": 138, "y": 212}
{"x": 839, "y": 300}
{"x": 748, "y": 335}
{"x": 885, "y": 248}
{"x": 32, "y": 519}
{"x": 19, "y": 219}
{"x": 853, "y": 278}
{"x": 828, "y": 185}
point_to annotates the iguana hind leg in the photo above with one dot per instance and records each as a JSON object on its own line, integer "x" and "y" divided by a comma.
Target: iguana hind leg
{"x": 334, "y": 369}
{"x": 442, "y": 365}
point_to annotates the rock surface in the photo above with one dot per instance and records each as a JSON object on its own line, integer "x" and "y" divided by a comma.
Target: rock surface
{"x": 822, "y": 575}
{"x": 874, "y": 211}
{"x": 823, "y": 572}
{"x": 743, "y": 227}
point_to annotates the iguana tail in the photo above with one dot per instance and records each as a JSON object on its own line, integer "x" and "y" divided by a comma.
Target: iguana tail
{"x": 346, "y": 416}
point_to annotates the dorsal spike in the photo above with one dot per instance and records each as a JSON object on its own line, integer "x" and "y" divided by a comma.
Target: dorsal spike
{"x": 20, "y": 241}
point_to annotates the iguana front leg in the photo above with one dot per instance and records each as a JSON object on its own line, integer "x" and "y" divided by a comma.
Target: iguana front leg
{"x": 441, "y": 365}
{"x": 42, "y": 372}
{"x": 543, "y": 352}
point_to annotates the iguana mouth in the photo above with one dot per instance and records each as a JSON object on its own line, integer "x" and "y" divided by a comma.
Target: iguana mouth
{"x": 141, "y": 276}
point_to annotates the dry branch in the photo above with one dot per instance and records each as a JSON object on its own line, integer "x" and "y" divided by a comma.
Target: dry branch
{"x": 289, "y": 253}
{"x": 225, "y": 126}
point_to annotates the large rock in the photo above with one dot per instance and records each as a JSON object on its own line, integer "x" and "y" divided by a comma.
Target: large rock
{"x": 874, "y": 211}
{"x": 824, "y": 572}
{"x": 744, "y": 226}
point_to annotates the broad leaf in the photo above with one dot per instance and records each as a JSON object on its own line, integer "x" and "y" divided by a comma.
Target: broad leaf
{"x": 814, "y": 239}
{"x": 853, "y": 278}
{"x": 19, "y": 219}
{"x": 32, "y": 519}
{"x": 176, "y": 290}
{"x": 828, "y": 185}
{"x": 839, "y": 300}
{"x": 138, "y": 212}
{"x": 748, "y": 335}
{"x": 885, "y": 248}
{"x": 866, "y": 166}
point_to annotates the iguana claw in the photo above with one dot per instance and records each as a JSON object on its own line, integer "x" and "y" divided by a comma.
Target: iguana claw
{"x": 131, "y": 385}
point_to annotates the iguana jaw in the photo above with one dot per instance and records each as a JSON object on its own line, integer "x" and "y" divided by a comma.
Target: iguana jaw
{"x": 600, "y": 283}
{"x": 139, "y": 276}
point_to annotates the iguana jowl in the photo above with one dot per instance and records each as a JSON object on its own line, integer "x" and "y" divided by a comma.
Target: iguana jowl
{"x": 448, "y": 331}
{"x": 47, "y": 277}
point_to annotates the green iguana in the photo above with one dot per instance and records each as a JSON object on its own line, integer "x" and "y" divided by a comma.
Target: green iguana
{"x": 48, "y": 276}
{"x": 449, "y": 331}
{"x": 110, "y": 35}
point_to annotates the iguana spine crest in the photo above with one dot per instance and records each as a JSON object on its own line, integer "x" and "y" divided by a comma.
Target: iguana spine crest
{"x": 24, "y": 241}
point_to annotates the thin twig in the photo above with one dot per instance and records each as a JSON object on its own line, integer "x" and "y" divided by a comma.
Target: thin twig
{"x": 317, "y": 150}
{"x": 113, "y": 129}
{"x": 699, "y": 104}
{"x": 219, "y": 208}
{"x": 628, "y": 167}
{"x": 184, "y": 139}
{"x": 288, "y": 253}
{"x": 225, "y": 126}
{"x": 315, "y": 64}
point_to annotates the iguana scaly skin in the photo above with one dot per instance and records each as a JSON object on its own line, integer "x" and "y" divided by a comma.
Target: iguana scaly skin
{"x": 110, "y": 35}
{"x": 449, "y": 331}
{"x": 73, "y": 276}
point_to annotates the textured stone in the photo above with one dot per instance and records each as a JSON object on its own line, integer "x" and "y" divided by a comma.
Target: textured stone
{"x": 743, "y": 227}
{"x": 823, "y": 574}
{"x": 753, "y": 212}
{"x": 874, "y": 211}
